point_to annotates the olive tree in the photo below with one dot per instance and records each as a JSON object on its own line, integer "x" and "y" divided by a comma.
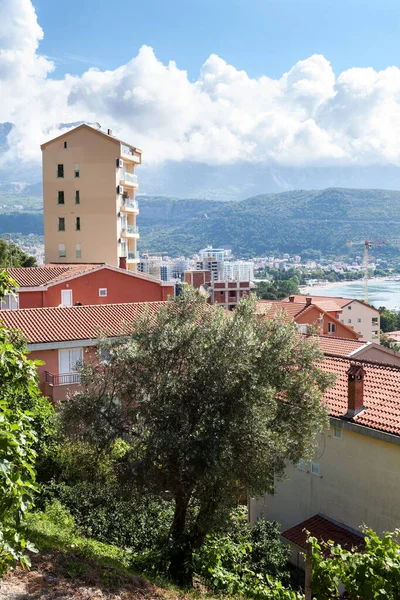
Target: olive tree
{"x": 208, "y": 404}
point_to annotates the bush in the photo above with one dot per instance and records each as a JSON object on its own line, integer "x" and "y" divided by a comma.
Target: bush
{"x": 243, "y": 560}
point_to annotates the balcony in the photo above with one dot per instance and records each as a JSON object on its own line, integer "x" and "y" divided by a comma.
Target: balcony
{"x": 128, "y": 153}
{"x": 129, "y": 205}
{"x": 129, "y": 179}
{"x": 129, "y": 231}
{"x": 133, "y": 256}
{"x": 59, "y": 385}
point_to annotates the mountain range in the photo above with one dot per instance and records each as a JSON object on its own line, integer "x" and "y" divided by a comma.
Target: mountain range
{"x": 294, "y": 222}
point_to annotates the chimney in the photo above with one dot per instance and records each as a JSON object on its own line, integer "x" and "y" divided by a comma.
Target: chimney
{"x": 308, "y": 300}
{"x": 109, "y": 131}
{"x": 291, "y": 298}
{"x": 355, "y": 390}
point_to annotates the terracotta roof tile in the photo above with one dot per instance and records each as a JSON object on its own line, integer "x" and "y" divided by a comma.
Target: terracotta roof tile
{"x": 324, "y": 530}
{"x": 339, "y": 346}
{"x": 272, "y": 308}
{"x": 37, "y": 276}
{"x": 341, "y": 302}
{"x": 381, "y": 393}
{"x": 43, "y": 325}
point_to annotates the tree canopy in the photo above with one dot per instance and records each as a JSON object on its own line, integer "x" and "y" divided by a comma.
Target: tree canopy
{"x": 208, "y": 405}
{"x": 12, "y": 255}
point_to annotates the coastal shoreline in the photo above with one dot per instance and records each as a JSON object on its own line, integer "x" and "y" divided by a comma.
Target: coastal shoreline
{"x": 320, "y": 287}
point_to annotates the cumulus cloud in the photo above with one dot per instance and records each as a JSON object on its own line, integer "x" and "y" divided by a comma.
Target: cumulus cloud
{"x": 306, "y": 117}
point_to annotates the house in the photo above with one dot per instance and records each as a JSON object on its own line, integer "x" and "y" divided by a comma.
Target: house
{"x": 364, "y": 318}
{"x": 306, "y": 315}
{"x": 90, "y": 210}
{"x": 66, "y": 285}
{"x": 358, "y": 350}
{"x": 354, "y": 476}
{"x": 63, "y": 337}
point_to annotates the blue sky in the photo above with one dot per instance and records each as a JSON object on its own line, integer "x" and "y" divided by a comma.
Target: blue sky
{"x": 259, "y": 36}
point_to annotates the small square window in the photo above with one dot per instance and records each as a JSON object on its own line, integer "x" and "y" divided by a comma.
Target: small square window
{"x": 315, "y": 468}
{"x": 65, "y": 145}
{"x": 60, "y": 170}
{"x": 60, "y": 197}
{"x": 78, "y": 223}
{"x": 61, "y": 251}
{"x": 349, "y": 308}
{"x": 78, "y": 251}
{"x": 358, "y": 320}
{"x": 374, "y": 320}
{"x": 302, "y": 465}
{"x": 349, "y": 320}
{"x": 337, "y": 432}
{"x": 103, "y": 292}
{"x": 76, "y": 171}
{"x": 331, "y": 327}
{"x": 77, "y": 197}
{"x": 61, "y": 224}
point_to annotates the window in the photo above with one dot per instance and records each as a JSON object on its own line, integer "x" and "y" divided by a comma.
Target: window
{"x": 78, "y": 251}
{"x": 337, "y": 432}
{"x": 78, "y": 223}
{"x": 221, "y": 293}
{"x": 76, "y": 171}
{"x": 331, "y": 327}
{"x": 60, "y": 170}
{"x": 349, "y": 320}
{"x": 60, "y": 197}
{"x": 77, "y": 197}
{"x": 65, "y": 145}
{"x": 374, "y": 320}
{"x": 358, "y": 320}
{"x": 302, "y": 465}
{"x": 374, "y": 333}
{"x": 61, "y": 251}
{"x": 349, "y": 308}
{"x": 232, "y": 293}
{"x": 66, "y": 297}
{"x": 9, "y": 302}
{"x": 315, "y": 468}
{"x": 103, "y": 292}
{"x": 302, "y": 327}
{"x": 61, "y": 224}
{"x": 69, "y": 361}
{"x": 105, "y": 354}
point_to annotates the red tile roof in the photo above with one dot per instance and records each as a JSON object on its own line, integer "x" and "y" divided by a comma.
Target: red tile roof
{"x": 37, "y": 276}
{"x": 324, "y": 530}
{"x": 44, "y": 325}
{"x": 339, "y": 346}
{"x": 272, "y": 308}
{"x": 341, "y": 302}
{"x": 381, "y": 393}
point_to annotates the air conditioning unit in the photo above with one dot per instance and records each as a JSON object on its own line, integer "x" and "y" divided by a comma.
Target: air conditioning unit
{"x": 120, "y": 163}
{"x": 120, "y": 190}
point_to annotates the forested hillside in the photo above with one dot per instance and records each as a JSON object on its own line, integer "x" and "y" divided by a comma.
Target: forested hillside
{"x": 289, "y": 222}
{"x": 293, "y": 222}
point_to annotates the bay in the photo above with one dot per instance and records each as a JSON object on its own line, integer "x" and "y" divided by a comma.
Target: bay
{"x": 381, "y": 292}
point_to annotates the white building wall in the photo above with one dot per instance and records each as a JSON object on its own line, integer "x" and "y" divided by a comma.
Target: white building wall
{"x": 364, "y": 319}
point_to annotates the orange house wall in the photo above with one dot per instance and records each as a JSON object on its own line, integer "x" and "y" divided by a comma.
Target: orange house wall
{"x": 85, "y": 289}
{"x": 311, "y": 317}
{"x": 50, "y": 360}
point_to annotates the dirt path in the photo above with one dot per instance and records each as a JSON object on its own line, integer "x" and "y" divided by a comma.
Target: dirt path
{"x": 53, "y": 578}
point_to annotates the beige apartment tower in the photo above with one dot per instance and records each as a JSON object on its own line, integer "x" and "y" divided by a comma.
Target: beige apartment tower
{"x": 89, "y": 186}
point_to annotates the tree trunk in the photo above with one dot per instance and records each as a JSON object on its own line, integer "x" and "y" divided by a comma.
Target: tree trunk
{"x": 181, "y": 565}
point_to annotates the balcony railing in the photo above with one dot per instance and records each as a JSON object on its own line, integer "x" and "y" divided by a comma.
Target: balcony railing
{"x": 130, "y": 204}
{"x": 130, "y": 152}
{"x": 62, "y": 378}
{"x": 129, "y": 178}
{"x": 133, "y": 255}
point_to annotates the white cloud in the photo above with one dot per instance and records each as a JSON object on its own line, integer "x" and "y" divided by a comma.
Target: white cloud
{"x": 307, "y": 117}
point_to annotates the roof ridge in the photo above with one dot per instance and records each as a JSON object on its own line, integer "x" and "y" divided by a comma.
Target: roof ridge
{"x": 83, "y": 306}
{"x": 363, "y": 361}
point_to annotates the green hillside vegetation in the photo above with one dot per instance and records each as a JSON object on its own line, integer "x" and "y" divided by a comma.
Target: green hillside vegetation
{"x": 289, "y": 222}
{"x": 293, "y": 221}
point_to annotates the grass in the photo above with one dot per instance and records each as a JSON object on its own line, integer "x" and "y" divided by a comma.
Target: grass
{"x": 89, "y": 561}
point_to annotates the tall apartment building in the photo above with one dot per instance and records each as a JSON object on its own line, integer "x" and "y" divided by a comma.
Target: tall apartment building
{"x": 90, "y": 211}
{"x": 238, "y": 270}
{"x": 212, "y": 259}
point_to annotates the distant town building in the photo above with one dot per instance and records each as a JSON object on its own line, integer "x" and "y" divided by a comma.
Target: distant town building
{"x": 89, "y": 186}
{"x": 238, "y": 270}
